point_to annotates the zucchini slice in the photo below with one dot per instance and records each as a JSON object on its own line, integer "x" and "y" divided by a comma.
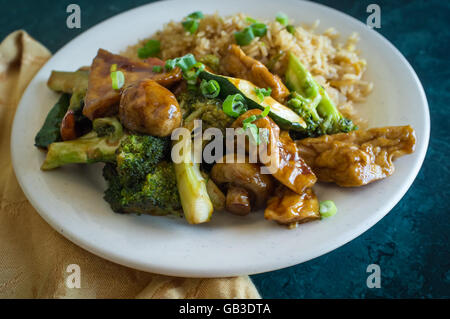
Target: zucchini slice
{"x": 281, "y": 114}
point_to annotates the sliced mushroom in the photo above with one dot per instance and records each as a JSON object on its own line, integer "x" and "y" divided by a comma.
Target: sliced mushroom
{"x": 101, "y": 99}
{"x": 238, "y": 201}
{"x": 289, "y": 208}
{"x": 149, "y": 108}
{"x": 242, "y": 175}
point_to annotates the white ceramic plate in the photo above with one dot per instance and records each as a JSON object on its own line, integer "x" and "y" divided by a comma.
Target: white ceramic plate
{"x": 70, "y": 199}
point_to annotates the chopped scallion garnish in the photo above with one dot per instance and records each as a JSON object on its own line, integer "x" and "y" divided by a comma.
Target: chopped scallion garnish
{"x": 282, "y": 19}
{"x": 117, "y": 77}
{"x": 150, "y": 49}
{"x": 184, "y": 62}
{"x": 157, "y": 69}
{"x": 255, "y": 133}
{"x": 234, "y": 105}
{"x": 210, "y": 89}
{"x": 190, "y": 67}
{"x": 246, "y": 36}
{"x": 196, "y": 15}
{"x": 259, "y": 29}
{"x": 290, "y": 29}
{"x": 251, "y": 20}
{"x": 262, "y": 93}
{"x": 190, "y": 25}
{"x": 327, "y": 208}
{"x": 265, "y": 112}
{"x": 192, "y": 22}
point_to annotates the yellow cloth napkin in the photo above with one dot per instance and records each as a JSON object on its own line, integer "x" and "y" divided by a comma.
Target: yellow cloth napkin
{"x": 33, "y": 257}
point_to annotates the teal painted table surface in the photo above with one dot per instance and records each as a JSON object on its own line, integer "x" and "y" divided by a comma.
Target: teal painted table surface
{"x": 411, "y": 243}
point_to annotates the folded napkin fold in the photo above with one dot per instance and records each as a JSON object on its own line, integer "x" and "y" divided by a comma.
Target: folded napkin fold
{"x": 33, "y": 257}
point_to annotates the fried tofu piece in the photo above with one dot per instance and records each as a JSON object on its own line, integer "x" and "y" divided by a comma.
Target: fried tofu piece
{"x": 283, "y": 160}
{"x": 293, "y": 171}
{"x": 289, "y": 208}
{"x": 236, "y": 63}
{"x": 101, "y": 99}
{"x": 359, "y": 157}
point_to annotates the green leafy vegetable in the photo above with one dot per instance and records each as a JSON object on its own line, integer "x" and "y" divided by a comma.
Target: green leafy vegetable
{"x": 150, "y": 49}
{"x": 50, "y": 131}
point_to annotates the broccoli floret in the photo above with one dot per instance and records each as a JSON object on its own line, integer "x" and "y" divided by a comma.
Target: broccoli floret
{"x": 312, "y": 103}
{"x": 138, "y": 155}
{"x": 196, "y": 106}
{"x": 156, "y": 194}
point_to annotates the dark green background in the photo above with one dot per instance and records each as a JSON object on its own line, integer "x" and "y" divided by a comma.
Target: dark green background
{"x": 411, "y": 243}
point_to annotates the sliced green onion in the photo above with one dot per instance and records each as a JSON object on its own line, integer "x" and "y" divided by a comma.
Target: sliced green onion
{"x": 259, "y": 29}
{"x": 282, "y": 19}
{"x": 327, "y": 208}
{"x": 234, "y": 105}
{"x": 249, "y": 120}
{"x": 265, "y": 112}
{"x": 211, "y": 60}
{"x": 251, "y": 20}
{"x": 248, "y": 124}
{"x": 196, "y": 15}
{"x": 184, "y": 62}
{"x": 151, "y": 48}
{"x": 190, "y": 25}
{"x": 192, "y": 21}
{"x": 262, "y": 93}
{"x": 210, "y": 89}
{"x": 290, "y": 29}
{"x": 117, "y": 77}
{"x": 254, "y": 133}
{"x": 157, "y": 69}
{"x": 170, "y": 64}
{"x": 190, "y": 67}
{"x": 244, "y": 37}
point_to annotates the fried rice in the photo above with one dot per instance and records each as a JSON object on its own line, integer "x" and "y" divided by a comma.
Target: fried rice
{"x": 335, "y": 65}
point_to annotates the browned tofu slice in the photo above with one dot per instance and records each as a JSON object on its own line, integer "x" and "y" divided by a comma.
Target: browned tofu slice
{"x": 101, "y": 99}
{"x": 289, "y": 208}
{"x": 239, "y": 65}
{"x": 359, "y": 157}
{"x": 283, "y": 160}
